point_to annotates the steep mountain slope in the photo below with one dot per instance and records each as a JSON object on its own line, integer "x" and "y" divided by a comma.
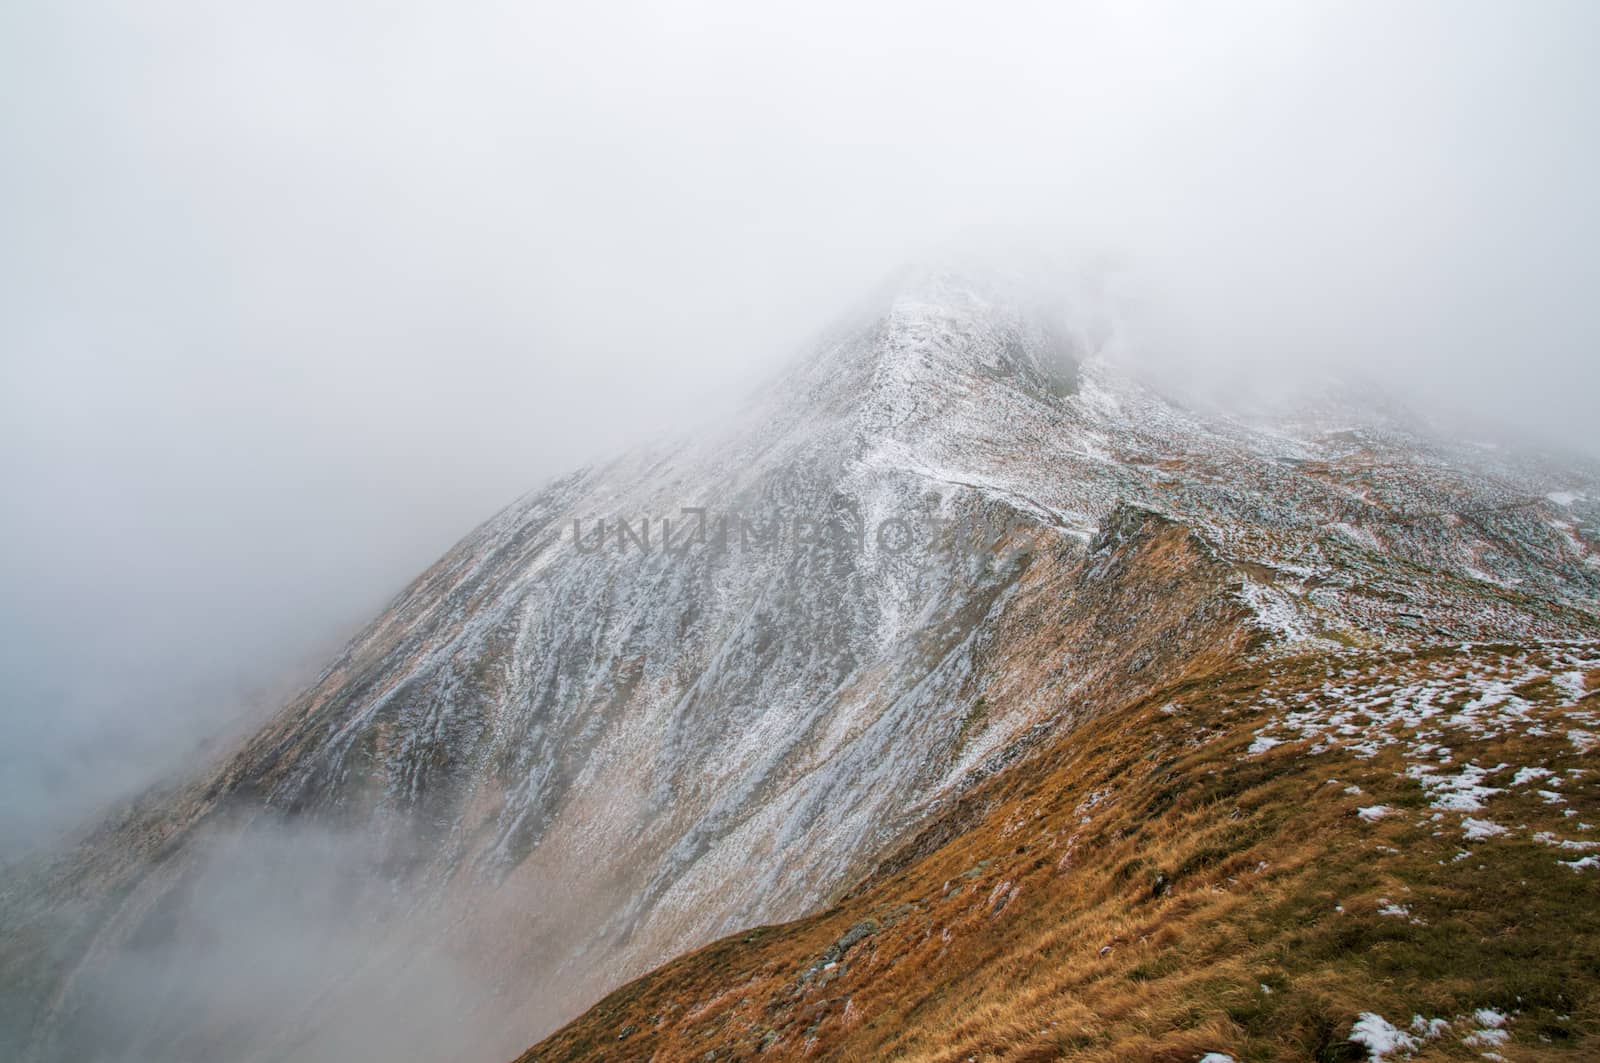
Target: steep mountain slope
{"x": 711, "y": 686}
{"x": 1413, "y": 866}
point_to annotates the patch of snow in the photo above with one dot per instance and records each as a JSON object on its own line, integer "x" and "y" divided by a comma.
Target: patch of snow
{"x": 1481, "y": 828}
{"x": 1358, "y": 534}
{"x": 1429, "y": 1028}
{"x": 1571, "y": 684}
{"x": 1275, "y": 611}
{"x": 1262, "y": 744}
{"x": 1463, "y": 792}
{"x": 1546, "y": 838}
{"x": 1380, "y": 1037}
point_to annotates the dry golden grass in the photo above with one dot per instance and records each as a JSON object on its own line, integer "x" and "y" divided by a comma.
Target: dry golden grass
{"x": 1142, "y": 890}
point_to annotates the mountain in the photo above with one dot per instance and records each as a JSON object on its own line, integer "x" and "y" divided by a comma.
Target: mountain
{"x": 902, "y": 612}
{"x": 1304, "y": 857}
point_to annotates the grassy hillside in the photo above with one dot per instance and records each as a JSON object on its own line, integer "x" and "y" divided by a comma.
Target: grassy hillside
{"x": 1331, "y": 855}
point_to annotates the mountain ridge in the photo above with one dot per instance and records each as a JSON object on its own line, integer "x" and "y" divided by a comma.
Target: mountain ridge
{"x": 577, "y": 753}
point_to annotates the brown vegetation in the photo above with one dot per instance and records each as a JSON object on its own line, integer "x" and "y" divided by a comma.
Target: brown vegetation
{"x": 1143, "y": 888}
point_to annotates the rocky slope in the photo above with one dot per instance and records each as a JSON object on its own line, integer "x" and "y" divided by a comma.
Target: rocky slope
{"x": 711, "y": 686}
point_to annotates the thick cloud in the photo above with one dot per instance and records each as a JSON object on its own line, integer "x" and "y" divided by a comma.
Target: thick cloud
{"x": 291, "y": 296}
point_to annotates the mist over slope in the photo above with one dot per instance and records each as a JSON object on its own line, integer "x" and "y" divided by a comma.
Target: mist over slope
{"x": 711, "y": 684}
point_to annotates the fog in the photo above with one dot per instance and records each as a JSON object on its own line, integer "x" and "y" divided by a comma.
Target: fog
{"x": 274, "y": 928}
{"x": 293, "y": 296}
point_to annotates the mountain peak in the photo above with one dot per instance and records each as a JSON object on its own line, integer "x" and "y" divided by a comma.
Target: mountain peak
{"x": 711, "y": 688}
{"x": 934, "y": 337}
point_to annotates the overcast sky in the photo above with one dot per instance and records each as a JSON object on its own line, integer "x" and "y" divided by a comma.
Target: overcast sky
{"x": 294, "y": 294}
